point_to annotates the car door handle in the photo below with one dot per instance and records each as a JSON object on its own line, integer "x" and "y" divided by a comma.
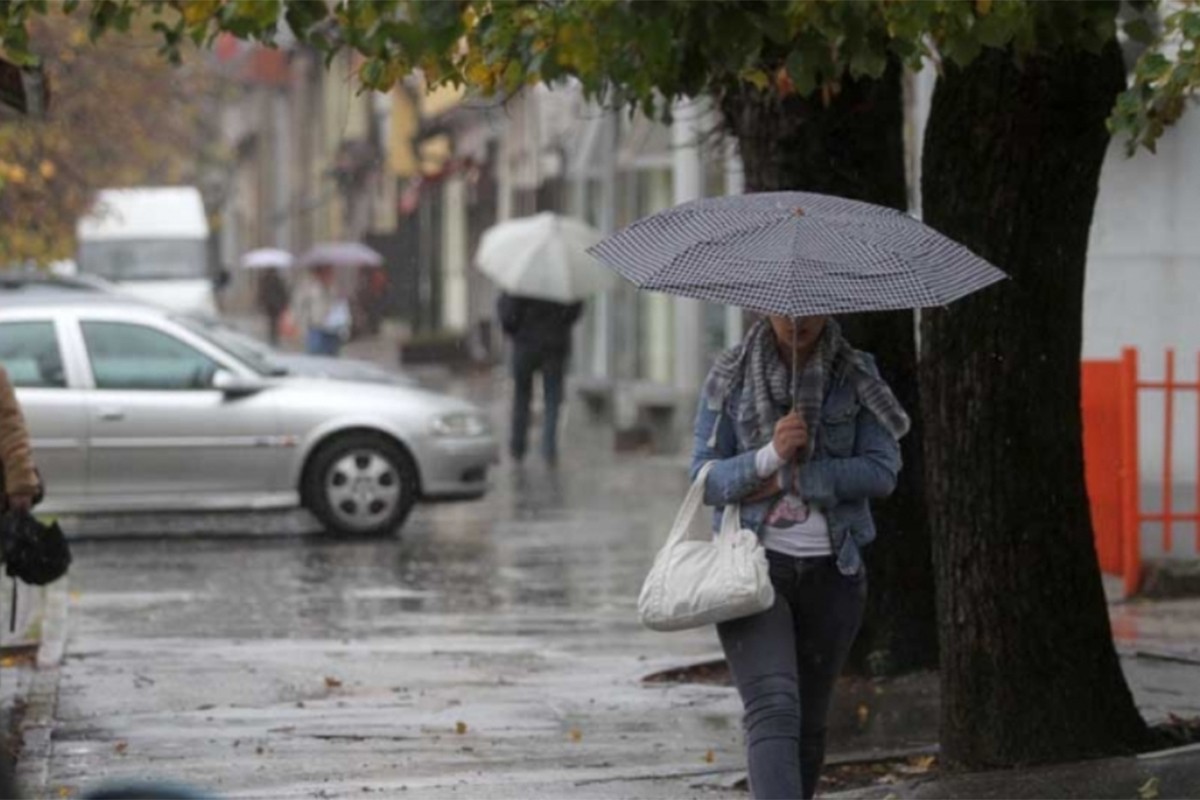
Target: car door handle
{"x": 111, "y": 415}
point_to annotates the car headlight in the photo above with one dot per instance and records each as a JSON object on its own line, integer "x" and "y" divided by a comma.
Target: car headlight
{"x": 461, "y": 425}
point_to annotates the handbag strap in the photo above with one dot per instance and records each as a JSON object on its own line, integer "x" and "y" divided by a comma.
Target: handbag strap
{"x": 731, "y": 520}
{"x": 692, "y": 502}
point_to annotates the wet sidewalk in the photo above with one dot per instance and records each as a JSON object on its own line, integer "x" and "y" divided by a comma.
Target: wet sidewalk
{"x": 491, "y": 650}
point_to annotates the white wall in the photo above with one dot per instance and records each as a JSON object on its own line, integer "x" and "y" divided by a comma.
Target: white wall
{"x": 1144, "y": 256}
{"x": 1143, "y": 290}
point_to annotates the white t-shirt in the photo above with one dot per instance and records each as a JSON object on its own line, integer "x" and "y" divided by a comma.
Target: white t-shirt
{"x": 793, "y": 527}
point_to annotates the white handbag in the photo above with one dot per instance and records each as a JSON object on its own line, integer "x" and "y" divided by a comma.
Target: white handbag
{"x": 698, "y": 579}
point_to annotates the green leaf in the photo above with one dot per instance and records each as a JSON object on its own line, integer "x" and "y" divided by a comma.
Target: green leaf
{"x": 961, "y": 49}
{"x": 1153, "y": 67}
{"x": 868, "y": 62}
{"x": 372, "y": 72}
{"x": 1190, "y": 26}
{"x": 802, "y": 71}
{"x": 303, "y": 14}
{"x": 996, "y": 30}
{"x": 1139, "y": 30}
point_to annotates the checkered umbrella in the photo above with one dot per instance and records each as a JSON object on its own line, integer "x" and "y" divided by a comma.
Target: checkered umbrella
{"x": 795, "y": 254}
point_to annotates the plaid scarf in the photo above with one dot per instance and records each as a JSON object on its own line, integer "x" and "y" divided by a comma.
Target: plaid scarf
{"x": 765, "y": 381}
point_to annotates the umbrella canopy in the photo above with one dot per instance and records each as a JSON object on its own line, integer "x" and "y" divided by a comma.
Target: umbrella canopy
{"x": 341, "y": 255}
{"x": 795, "y": 254}
{"x": 543, "y": 256}
{"x": 268, "y": 258}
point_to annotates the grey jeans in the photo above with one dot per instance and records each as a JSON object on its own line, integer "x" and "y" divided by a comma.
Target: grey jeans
{"x": 785, "y": 662}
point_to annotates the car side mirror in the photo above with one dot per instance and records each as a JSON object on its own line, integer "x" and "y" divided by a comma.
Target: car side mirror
{"x": 233, "y": 386}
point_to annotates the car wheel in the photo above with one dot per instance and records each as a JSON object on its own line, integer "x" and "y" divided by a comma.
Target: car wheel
{"x": 361, "y": 484}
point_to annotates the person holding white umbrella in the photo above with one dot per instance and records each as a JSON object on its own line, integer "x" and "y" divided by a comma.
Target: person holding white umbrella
{"x": 271, "y": 289}
{"x": 542, "y": 266}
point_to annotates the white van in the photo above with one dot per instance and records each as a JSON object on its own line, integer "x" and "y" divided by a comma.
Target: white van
{"x": 153, "y": 243}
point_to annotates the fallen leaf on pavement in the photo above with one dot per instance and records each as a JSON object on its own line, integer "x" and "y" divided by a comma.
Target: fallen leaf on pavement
{"x": 332, "y": 683}
{"x": 64, "y": 791}
{"x": 121, "y": 747}
{"x": 710, "y": 757}
{"x": 460, "y": 728}
{"x": 922, "y": 763}
{"x": 1149, "y": 789}
{"x": 576, "y": 735}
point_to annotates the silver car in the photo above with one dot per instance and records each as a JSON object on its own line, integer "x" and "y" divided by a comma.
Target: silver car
{"x": 134, "y": 409}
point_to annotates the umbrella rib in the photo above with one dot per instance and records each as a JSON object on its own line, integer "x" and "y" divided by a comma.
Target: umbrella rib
{"x": 904, "y": 261}
{"x": 918, "y": 277}
{"x": 758, "y": 227}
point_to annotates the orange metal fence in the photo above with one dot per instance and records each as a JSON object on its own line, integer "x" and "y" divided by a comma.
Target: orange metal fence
{"x": 1111, "y": 392}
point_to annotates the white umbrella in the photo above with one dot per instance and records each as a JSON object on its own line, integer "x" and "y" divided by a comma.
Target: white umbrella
{"x": 267, "y": 258}
{"x": 543, "y": 256}
{"x": 341, "y": 254}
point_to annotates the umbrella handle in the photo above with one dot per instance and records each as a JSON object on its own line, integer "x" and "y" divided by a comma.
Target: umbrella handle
{"x": 795, "y": 366}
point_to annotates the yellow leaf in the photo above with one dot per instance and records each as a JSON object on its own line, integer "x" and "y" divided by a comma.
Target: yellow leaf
{"x": 64, "y": 791}
{"x": 710, "y": 757}
{"x": 757, "y": 77}
{"x": 460, "y": 728}
{"x": 8, "y": 661}
{"x": 864, "y": 715}
{"x": 197, "y": 12}
{"x": 47, "y": 169}
{"x": 923, "y": 763}
{"x": 983, "y": 7}
{"x": 478, "y": 73}
{"x": 1149, "y": 789}
{"x": 576, "y": 735}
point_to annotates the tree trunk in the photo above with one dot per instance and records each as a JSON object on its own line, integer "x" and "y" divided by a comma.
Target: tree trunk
{"x": 855, "y": 148}
{"x": 1012, "y": 166}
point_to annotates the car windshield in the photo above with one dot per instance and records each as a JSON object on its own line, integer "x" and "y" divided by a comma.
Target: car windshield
{"x": 255, "y": 354}
{"x": 145, "y": 259}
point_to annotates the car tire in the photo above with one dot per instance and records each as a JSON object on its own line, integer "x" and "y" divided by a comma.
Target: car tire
{"x": 361, "y": 484}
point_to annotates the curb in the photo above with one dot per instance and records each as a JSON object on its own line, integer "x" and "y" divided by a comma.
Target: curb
{"x": 33, "y": 767}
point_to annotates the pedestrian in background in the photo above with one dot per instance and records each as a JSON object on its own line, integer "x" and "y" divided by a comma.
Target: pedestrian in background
{"x": 540, "y": 331}
{"x": 21, "y": 485}
{"x": 272, "y": 300}
{"x": 803, "y": 458}
{"x": 322, "y": 312}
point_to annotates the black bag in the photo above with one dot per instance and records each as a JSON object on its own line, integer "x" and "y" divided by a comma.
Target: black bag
{"x": 33, "y": 552}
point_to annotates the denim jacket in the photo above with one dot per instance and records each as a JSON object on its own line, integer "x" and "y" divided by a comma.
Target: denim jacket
{"x": 856, "y": 460}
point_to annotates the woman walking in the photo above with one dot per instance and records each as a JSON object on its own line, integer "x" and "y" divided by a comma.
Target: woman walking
{"x": 323, "y": 312}
{"x": 803, "y": 433}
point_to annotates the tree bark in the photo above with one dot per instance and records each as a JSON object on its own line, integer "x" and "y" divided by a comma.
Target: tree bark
{"x": 1012, "y": 166}
{"x": 854, "y": 147}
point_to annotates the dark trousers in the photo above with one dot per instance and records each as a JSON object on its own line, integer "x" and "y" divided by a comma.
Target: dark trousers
{"x": 785, "y": 662}
{"x": 274, "y": 321}
{"x": 553, "y": 366}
